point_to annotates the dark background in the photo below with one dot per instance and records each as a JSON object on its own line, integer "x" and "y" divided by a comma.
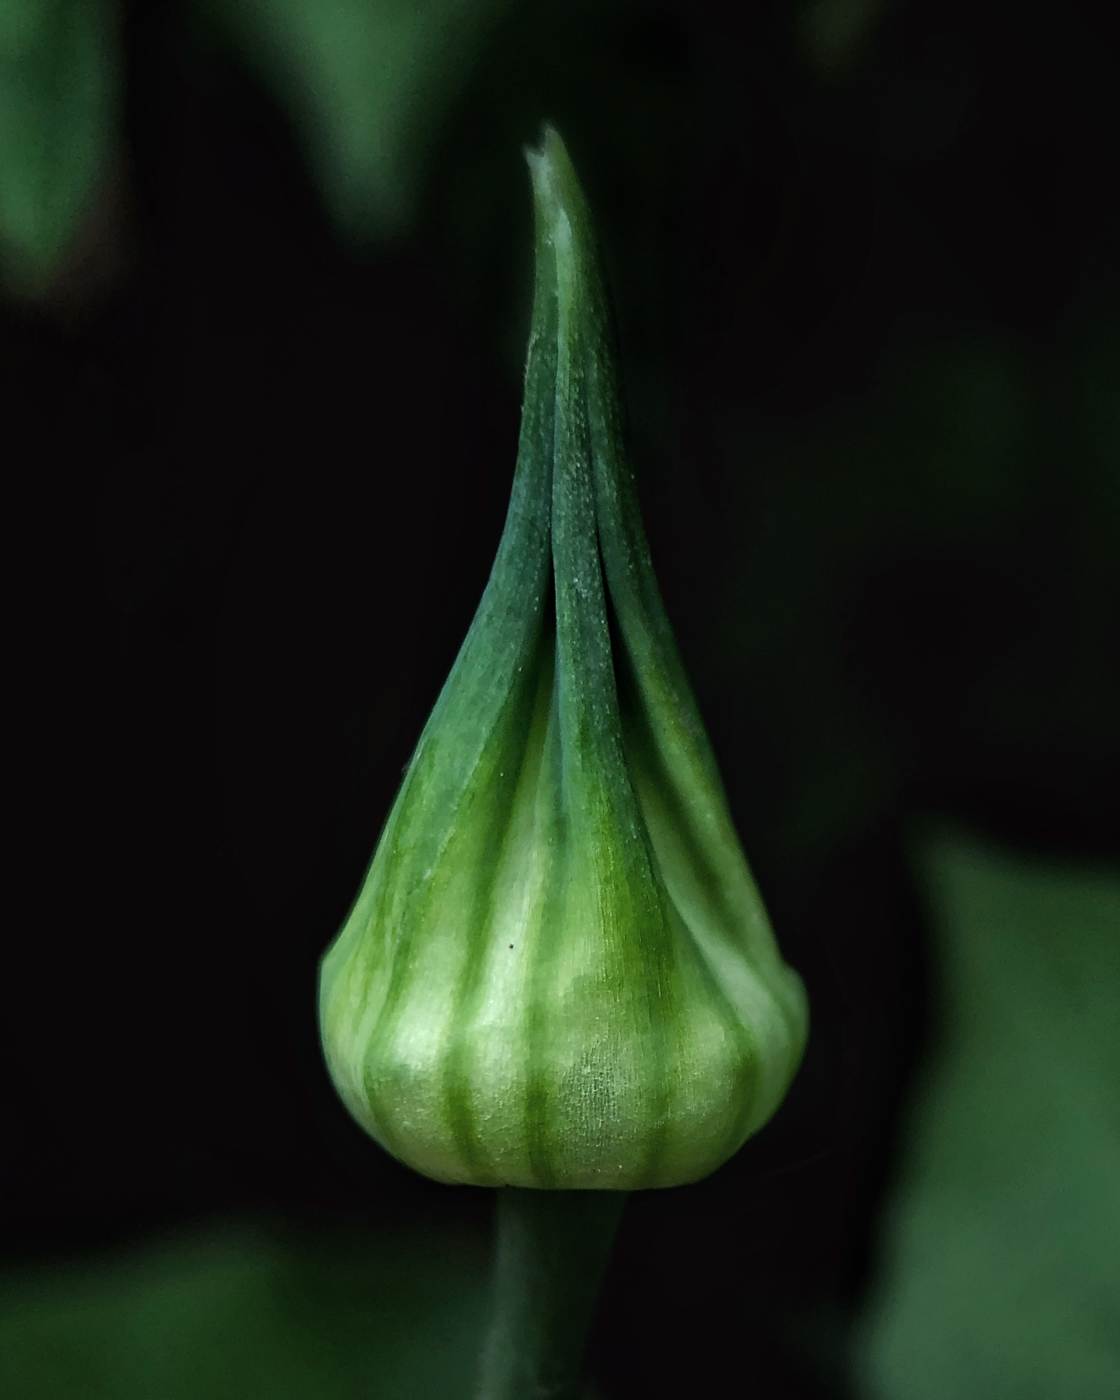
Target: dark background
{"x": 867, "y": 283}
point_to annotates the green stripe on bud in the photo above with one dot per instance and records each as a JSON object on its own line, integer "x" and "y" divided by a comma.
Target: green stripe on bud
{"x": 559, "y": 972}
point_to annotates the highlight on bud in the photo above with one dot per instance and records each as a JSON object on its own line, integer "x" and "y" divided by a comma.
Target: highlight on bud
{"x": 558, "y": 971}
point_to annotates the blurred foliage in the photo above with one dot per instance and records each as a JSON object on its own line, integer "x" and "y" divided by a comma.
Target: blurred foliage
{"x": 58, "y": 113}
{"x": 1000, "y": 1269}
{"x": 367, "y": 86}
{"x": 241, "y": 1311}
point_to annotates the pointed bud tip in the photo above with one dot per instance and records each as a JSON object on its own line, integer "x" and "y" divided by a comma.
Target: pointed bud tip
{"x": 549, "y": 150}
{"x": 556, "y": 188}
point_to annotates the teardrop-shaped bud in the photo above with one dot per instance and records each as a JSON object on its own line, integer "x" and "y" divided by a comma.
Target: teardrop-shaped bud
{"x": 559, "y": 972}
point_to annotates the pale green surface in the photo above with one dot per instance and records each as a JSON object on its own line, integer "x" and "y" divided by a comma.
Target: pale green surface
{"x": 559, "y": 972}
{"x": 58, "y": 107}
{"x": 237, "y": 1313}
{"x": 1001, "y": 1255}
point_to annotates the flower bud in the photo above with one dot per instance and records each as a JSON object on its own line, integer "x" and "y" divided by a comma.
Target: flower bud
{"x": 558, "y": 971}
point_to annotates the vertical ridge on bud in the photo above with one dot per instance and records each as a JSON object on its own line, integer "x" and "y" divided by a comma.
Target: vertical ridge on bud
{"x": 558, "y": 971}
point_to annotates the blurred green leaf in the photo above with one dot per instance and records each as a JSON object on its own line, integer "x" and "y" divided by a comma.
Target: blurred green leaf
{"x": 58, "y": 100}
{"x": 367, "y": 83}
{"x": 244, "y": 1312}
{"x": 1001, "y": 1269}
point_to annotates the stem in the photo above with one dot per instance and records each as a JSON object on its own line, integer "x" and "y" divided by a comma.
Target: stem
{"x": 552, "y": 1252}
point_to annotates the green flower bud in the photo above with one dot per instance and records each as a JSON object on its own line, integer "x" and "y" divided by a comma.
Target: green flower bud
{"x": 559, "y": 972}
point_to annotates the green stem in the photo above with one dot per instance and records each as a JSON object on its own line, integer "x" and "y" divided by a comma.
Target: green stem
{"x": 552, "y": 1252}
